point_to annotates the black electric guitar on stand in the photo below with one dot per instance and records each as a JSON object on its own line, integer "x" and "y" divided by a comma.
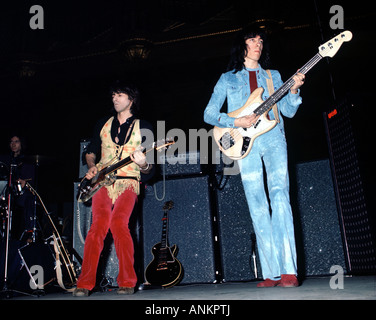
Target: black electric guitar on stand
{"x": 165, "y": 269}
{"x": 236, "y": 143}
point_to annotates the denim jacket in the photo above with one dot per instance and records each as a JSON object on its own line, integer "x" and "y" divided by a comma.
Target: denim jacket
{"x": 235, "y": 87}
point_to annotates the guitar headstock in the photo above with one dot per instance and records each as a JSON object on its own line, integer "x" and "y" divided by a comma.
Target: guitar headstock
{"x": 168, "y": 205}
{"x": 330, "y": 48}
{"x": 163, "y": 144}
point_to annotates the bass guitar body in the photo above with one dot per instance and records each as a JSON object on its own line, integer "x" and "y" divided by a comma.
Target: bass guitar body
{"x": 164, "y": 270}
{"x": 236, "y": 143}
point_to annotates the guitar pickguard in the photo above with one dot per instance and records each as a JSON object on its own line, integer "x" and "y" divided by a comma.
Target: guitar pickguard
{"x": 165, "y": 269}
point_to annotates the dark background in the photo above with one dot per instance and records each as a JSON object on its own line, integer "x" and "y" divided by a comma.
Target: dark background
{"x": 54, "y": 82}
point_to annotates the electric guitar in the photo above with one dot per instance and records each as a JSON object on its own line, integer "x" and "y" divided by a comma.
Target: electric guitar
{"x": 165, "y": 269}
{"x": 107, "y": 175}
{"x": 236, "y": 143}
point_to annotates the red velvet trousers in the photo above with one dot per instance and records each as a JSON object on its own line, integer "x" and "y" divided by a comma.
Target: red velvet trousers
{"x": 107, "y": 216}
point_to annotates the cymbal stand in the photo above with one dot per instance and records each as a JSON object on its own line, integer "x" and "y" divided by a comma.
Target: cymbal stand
{"x": 9, "y": 223}
{"x": 5, "y": 289}
{"x": 35, "y": 200}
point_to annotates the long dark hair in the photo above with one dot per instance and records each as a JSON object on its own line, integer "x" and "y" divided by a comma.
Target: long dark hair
{"x": 129, "y": 89}
{"x": 239, "y": 49}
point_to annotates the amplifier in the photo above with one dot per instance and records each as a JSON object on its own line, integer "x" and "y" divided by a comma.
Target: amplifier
{"x": 182, "y": 164}
{"x": 82, "y": 162}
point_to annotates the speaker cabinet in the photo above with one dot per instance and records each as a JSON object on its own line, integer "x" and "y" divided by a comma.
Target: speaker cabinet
{"x": 355, "y": 200}
{"x": 190, "y": 225}
{"x": 317, "y": 226}
{"x": 237, "y": 237}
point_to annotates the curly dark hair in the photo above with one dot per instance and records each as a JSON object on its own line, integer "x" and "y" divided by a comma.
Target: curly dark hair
{"x": 239, "y": 49}
{"x": 129, "y": 89}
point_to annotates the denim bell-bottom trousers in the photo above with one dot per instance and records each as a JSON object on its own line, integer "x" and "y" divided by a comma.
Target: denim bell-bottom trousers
{"x": 272, "y": 218}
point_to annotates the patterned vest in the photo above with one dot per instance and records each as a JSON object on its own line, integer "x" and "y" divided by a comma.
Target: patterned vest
{"x": 111, "y": 151}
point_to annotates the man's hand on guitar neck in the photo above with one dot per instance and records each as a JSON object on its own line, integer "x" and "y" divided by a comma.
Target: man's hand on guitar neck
{"x": 299, "y": 79}
{"x": 139, "y": 158}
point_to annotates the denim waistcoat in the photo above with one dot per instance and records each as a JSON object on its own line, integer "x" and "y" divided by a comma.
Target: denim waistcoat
{"x": 235, "y": 87}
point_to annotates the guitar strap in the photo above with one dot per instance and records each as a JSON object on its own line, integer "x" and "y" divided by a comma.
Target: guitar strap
{"x": 269, "y": 83}
{"x": 59, "y": 273}
{"x": 122, "y": 148}
{"x": 130, "y": 129}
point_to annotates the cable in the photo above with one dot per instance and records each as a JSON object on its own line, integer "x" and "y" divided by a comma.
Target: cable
{"x": 163, "y": 184}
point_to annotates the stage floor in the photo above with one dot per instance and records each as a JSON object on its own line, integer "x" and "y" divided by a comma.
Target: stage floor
{"x": 354, "y": 288}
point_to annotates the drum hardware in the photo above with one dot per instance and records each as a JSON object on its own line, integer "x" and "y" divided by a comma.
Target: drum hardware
{"x": 3, "y": 208}
{"x": 6, "y": 291}
{"x": 8, "y": 190}
{"x": 38, "y": 291}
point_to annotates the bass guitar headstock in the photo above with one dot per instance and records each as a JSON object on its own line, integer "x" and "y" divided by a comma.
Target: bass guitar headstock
{"x": 163, "y": 144}
{"x": 330, "y": 48}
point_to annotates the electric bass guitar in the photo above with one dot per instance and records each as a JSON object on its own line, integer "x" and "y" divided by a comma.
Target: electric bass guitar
{"x": 107, "y": 175}
{"x": 165, "y": 269}
{"x": 236, "y": 143}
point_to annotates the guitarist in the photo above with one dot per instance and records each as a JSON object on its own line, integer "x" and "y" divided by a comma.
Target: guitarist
{"x": 275, "y": 231}
{"x": 118, "y": 136}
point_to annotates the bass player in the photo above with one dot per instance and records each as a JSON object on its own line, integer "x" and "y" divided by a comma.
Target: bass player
{"x": 272, "y": 222}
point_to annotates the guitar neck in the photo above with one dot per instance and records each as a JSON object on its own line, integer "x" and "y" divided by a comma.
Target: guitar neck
{"x": 121, "y": 163}
{"x": 118, "y": 165}
{"x": 164, "y": 240}
{"x": 277, "y": 95}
